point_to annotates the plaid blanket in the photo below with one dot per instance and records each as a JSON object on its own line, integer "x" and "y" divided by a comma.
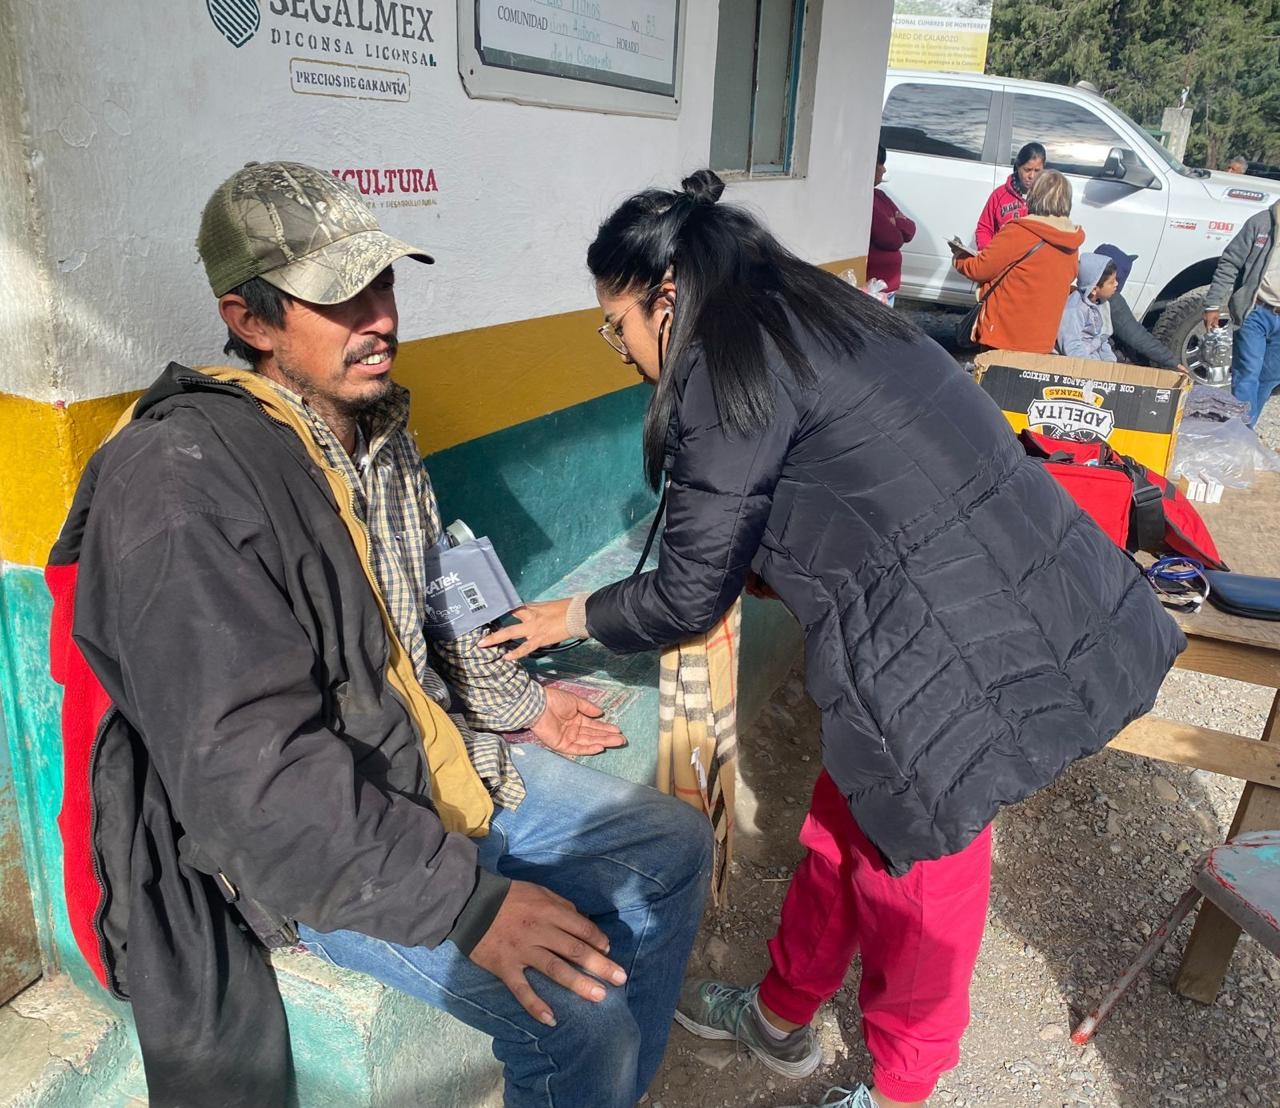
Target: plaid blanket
{"x": 698, "y": 735}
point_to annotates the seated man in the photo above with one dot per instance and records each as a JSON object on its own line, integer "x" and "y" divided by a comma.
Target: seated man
{"x": 1085, "y": 330}
{"x": 269, "y": 740}
{"x": 1131, "y": 341}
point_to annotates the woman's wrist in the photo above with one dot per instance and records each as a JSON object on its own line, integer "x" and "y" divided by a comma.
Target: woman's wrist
{"x": 576, "y": 617}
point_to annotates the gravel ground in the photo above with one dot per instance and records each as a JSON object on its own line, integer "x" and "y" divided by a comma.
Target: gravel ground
{"x": 1083, "y": 871}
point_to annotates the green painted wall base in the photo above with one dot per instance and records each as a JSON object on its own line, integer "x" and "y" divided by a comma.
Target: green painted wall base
{"x": 358, "y": 1042}
{"x": 59, "y": 1049}
{"x": 553, "y": 491}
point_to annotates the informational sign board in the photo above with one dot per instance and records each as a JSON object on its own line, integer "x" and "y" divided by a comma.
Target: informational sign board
{"x": 605, "y": 55}
{"x": 946, "y": 35}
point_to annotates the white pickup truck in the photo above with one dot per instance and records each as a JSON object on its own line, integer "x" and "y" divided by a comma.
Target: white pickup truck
{"x": 951, "y": 138}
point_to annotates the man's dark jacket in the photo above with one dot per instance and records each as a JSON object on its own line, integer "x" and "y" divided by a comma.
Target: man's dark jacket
{"x": 969, "y": 630}
{"x": 1136, "y": 343}
{"x": 1243, "y": 263}
{"x": 227, "y": 711}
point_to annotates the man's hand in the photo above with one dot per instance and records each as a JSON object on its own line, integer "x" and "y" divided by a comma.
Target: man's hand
{"x": 759, "y": 587}
{"x": 536, "y": 929}
{"x": 541, "y": 624}
{"x": 572, "y": 726}
{"x": 1183, "y": 370}
{"x": 1212, "y": 318}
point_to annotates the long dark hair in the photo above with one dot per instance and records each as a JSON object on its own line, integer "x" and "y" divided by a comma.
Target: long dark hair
{"x": 1029, "y": 153}
{"x": 737, "y": 284}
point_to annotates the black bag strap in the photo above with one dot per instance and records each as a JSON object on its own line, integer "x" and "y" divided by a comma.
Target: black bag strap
{"x": 1146, "y": 506}
{"x": 1007, "y": 270}
{"x": 1146, "y": 513}
{"x": 1035, "y": 450}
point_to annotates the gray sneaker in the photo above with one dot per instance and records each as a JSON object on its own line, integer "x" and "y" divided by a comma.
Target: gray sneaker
{"x": 717, "y": 1011}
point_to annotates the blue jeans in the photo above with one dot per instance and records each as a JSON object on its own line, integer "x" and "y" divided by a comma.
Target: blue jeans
{"x": 1255, "y": 360}
{"x": 633, "y": 860}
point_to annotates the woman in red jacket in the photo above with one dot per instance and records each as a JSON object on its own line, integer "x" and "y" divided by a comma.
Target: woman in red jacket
{"x": 1009, "y": 201}
{"x": 889, "y": 230}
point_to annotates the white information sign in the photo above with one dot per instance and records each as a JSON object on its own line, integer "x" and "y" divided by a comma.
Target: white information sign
{"x": 631, "y": 44}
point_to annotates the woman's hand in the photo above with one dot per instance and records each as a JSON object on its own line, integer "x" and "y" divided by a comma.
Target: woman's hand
{"x": 757, "y": 586}
{"x": 541, "y": 624}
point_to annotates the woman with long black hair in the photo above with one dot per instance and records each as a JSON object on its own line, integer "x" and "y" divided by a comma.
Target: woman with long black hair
{"x": 1008, "y": 201}
{"x": 969, "y": 630}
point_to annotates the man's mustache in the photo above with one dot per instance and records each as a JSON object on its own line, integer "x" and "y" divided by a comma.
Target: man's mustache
{"x": 371, "y": 346}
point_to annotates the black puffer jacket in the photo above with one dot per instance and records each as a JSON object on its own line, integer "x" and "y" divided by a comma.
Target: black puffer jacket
{"x": 969, "y": 630}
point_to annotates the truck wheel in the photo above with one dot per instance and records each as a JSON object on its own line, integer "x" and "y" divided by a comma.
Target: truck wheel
{"x": 1181, "y": 328}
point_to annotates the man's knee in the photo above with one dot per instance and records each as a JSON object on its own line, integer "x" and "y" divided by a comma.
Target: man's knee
{"x": 608, "y": 1030}
{"x": 593, "y": 1046}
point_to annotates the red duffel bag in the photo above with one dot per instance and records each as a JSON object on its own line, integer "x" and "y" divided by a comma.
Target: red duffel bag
{"x": 1138, "y": 508}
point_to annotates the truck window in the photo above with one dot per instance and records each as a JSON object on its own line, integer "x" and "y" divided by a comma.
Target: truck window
{"x": 947, "y": 121}
{"x": 1077, "y": 140}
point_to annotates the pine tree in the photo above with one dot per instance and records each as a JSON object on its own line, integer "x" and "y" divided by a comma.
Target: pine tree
{"x": 1142, "y": 53}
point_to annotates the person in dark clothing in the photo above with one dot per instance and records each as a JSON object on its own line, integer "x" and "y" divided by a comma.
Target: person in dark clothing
{"x": 969, "y": 630}
{"x": 1133, "y": 342}
{"x": 890, "y": 230}
{"x": 260, "y": 731}
{"x": 1246, "y": 285}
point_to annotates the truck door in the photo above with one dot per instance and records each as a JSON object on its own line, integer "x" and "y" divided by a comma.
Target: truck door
{"x": 1078, "y": 141}
{"x": 941, "y": 146}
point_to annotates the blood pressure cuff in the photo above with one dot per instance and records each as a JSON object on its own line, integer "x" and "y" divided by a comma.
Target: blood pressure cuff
{"x": 467, "y": 587}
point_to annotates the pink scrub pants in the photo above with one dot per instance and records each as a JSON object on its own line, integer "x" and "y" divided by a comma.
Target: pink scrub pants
{"x": 919, "y": 936}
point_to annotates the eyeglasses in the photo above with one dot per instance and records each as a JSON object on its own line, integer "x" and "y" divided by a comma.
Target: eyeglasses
{"x": 612, "y": 332}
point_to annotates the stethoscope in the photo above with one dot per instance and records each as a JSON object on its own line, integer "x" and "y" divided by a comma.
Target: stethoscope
{"x": 573, "y": 644}
{"x": 1180, "y": 582}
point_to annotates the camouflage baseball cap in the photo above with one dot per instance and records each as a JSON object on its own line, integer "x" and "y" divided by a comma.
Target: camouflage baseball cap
{"x": 297, "y": 227}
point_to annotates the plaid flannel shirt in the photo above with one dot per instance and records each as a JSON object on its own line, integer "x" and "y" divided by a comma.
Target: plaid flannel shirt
{"x": 397, "y": 505}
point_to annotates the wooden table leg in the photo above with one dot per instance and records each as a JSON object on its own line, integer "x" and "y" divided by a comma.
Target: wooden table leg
{"x": 1214, "y": 937}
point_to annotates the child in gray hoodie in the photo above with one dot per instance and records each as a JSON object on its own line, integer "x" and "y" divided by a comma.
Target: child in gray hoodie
{"x": 1085, "y": 330}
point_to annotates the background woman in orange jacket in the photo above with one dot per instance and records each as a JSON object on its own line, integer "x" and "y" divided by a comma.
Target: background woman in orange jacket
{"x": 1024, "y": 310}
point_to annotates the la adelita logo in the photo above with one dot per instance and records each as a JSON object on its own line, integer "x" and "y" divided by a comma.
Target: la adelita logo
{"x": 238, "y": 20}
{"x": 1075, "y": 414}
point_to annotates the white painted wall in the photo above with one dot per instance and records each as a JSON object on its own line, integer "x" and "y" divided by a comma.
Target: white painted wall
{"x": 135, "y": 111}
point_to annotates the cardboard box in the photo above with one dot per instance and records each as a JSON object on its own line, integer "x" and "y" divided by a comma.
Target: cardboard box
{"x": 1135, "y": 409}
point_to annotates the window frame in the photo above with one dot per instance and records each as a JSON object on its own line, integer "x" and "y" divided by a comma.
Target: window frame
{"x": 800, "y": 88}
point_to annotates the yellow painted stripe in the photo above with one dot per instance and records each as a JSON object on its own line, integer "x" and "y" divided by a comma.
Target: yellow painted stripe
{"x": 42, "y": 451}
{"x": 472, "y": 383}
{"x": 464, "y": 385}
